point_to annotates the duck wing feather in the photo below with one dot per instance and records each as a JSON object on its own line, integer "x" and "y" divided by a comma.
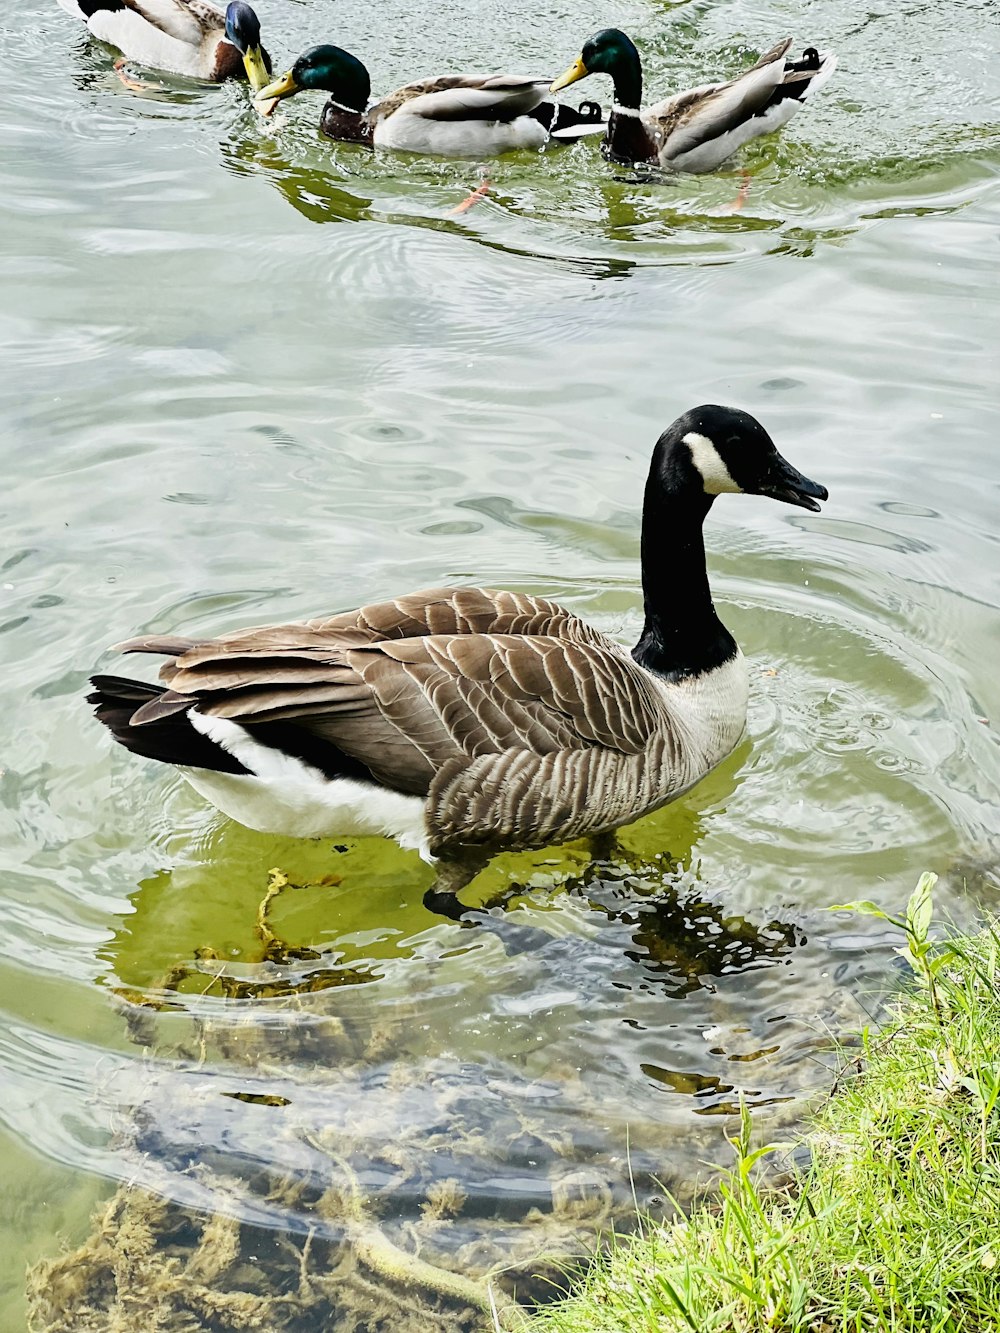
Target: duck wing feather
{"x": 188, "y": 21}
{"x": 688, "y": 119}
{"x": 453, "y": 97}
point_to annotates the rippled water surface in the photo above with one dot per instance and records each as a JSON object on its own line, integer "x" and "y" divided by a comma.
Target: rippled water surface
{"x": 251, "y": 375}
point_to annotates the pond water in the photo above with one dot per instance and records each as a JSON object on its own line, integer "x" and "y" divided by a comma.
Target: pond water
{"x": 249, "y": 375}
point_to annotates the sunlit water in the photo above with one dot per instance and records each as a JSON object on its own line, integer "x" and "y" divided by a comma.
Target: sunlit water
{"x": 250, "y": 375}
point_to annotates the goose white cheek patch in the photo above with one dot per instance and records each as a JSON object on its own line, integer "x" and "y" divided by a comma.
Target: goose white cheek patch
{"x": 715, "y": 475}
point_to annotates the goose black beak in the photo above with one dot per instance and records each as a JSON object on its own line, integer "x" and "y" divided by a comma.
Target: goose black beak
{"x": 787, "y": 483}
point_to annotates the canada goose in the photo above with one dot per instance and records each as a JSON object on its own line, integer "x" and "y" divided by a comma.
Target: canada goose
{"x": 189, "y": 37}
{"x": 699, "y": 129}
{"x": 456, "y": 115}
{"x": 463, "y": 721}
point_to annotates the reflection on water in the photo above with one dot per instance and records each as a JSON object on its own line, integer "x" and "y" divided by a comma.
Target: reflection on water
{"x": 223, "y": 410}
{"x": 372, "y": 1126}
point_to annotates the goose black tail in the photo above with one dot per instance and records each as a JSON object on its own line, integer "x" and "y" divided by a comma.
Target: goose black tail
{"x": 172, "y": 740}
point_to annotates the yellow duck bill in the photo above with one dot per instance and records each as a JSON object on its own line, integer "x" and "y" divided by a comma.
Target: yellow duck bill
{"x": 283, "y": 87}
{"x": 578, "y": 70}
{"x": 257, "y": 71}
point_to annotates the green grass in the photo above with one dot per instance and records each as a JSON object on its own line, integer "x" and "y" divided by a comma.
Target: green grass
{"x": 895, "y": 1228}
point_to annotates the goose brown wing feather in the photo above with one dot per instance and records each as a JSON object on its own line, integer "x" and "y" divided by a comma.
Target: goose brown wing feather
{"x": 486, "y": 691}
{"x": 413, "y": 686}
{"x": 166, "y": 645}
{"x": 458, "y": 611}
{"x": 592, "y": 688}
{"x": 443, "y": 694}
{"x": 432, "y": 611}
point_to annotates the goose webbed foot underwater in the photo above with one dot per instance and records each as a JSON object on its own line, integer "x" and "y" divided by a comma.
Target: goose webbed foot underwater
{"x": 467, "y": 721}
{"x": 454, "y": 115}
{"x": 442, "y": 899}
{"x": 452, "y": 876}
{"x": 512, "y": 929}
{"x": 189, "y": 37}
{"x": 698, "y": 129}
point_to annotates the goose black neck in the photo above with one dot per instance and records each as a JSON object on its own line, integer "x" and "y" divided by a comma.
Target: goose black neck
{"x": 682, "y": 636}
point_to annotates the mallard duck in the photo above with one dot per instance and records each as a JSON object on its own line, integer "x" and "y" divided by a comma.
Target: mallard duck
{"x": 189, "y": 37}
{"x": 455, "y": 115}
{"x": 464, "y": 721}
{"x": 699, "y": 129}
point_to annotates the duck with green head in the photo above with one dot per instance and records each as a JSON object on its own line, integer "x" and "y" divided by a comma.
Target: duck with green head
{"x": 190, "y": 37}
{"x": 699, "y": 129}
{"x": 454, "y": 115}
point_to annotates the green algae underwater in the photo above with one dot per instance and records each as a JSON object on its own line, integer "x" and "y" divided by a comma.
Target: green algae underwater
{"x": 327, "y": 1108}
{"x": 417, "y": 1190}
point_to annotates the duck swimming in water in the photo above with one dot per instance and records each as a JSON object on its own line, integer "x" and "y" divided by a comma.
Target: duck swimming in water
{"x": 190, "y": 37}
{"x": 454, "y": 115}
{"x": 697, "y": 130}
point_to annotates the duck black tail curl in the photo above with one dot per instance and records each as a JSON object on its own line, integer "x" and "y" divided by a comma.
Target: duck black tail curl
{"x": 566, "y": 122}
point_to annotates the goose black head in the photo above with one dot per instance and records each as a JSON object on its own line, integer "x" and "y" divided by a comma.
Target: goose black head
{"x": 330, "y": 69}
{"x": 722, "y": 450}
{"x": 243, "y": 32}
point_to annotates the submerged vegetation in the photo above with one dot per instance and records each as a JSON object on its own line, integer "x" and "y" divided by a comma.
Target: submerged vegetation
{"x": 271, "y": 1104}
{"x": 293, "y": 1161}
{"x": 894, "y": 1225}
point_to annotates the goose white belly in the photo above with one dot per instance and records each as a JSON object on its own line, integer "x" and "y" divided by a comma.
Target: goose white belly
{"x": 282, "y": 794}
{"x": 708, "y": 714}
{"x": 407, "y": 132}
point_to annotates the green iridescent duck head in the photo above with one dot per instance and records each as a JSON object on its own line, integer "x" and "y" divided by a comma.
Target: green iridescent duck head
{"x": 610, "y": 52}
{"x": 328, "y": 69}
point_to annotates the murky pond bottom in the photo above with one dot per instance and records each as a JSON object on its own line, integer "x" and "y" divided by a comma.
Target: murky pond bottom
{"x": 297, "y": 1158}
{"x": 397, "y": 1124}
{"x": 250, "y": 1082}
